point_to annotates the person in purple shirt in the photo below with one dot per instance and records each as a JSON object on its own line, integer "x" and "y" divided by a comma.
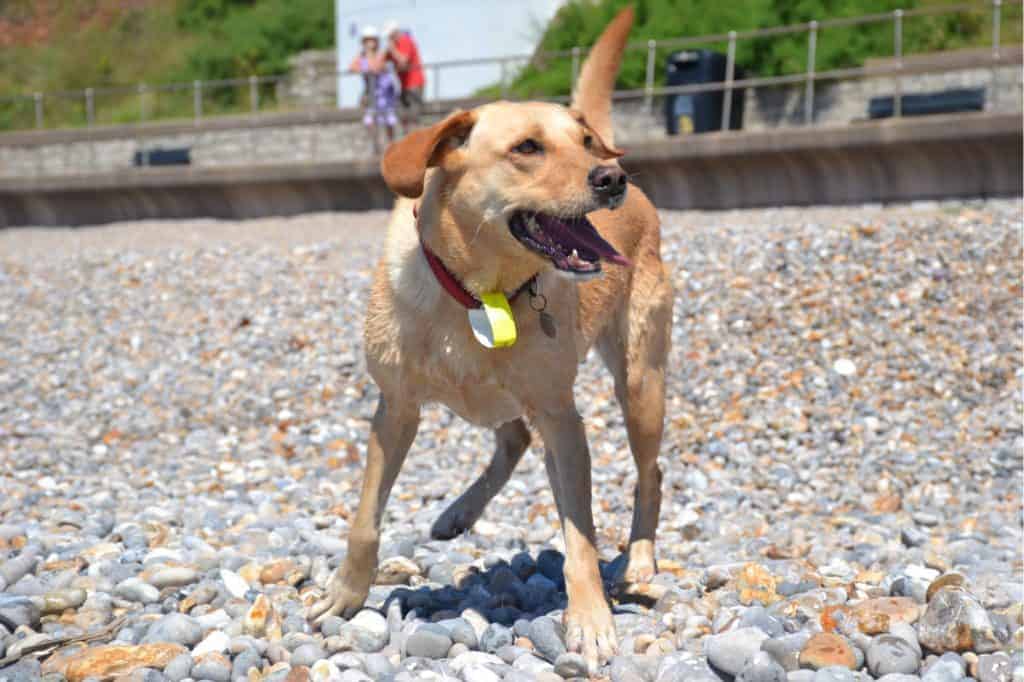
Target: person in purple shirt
{"x": 380, "y": 97}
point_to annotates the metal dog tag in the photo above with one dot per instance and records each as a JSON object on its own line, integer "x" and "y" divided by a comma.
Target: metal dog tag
{"x": 547, "y": 325}
{"x": 539, "y": 303}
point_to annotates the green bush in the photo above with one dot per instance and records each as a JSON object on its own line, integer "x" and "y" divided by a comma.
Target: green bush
{"x": 580, "y": 22}
{"x": 257, "y": 38}
{"x": 196, "y": 15}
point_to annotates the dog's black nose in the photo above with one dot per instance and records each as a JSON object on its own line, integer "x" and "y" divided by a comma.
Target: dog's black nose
{"x": 608, "y": 182}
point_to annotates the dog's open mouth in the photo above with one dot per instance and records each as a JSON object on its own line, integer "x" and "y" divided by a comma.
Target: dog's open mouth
{"x": 572, "y": 244}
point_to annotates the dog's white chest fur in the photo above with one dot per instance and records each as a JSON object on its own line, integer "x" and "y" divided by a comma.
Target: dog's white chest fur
{"x": 425, "y": 345}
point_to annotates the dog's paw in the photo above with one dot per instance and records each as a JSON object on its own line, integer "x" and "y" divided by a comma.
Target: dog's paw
{"x": 342, "y": 599}
{"x": 640, "y": 566}
{"x": 454, "y": 521}
{"x": 591, "y": 632}
{"x": 639, "y": 572}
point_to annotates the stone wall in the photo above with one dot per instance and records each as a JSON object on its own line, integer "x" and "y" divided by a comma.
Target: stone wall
{"x": 311, "y": 78}
{"x": 933, "y": 157}
{"x": 327, "y": 135}
{"x": 242, "y": 146}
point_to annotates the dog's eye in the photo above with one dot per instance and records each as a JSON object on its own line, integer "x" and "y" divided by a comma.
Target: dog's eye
{"x": 588, "y": 141}
{"x": 528, "y": 146}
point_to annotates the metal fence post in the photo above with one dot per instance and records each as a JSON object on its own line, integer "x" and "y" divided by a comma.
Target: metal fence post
{"x": 38, "y": 97}
{"x": 197, "y": 100}
{"x": 812, "y": 49}
{"x": 996, "y": 21}
{"x": 142, "y": 102}
{"x": 254, "y": 93}
{"x": 90, "y": 107}
{"x": 437, "y": 86}
{"x": 575, "y": 68}
{"x": 652, "y": 46}
{"x": 897, "y": 36}
{"x": 730, "y": 74}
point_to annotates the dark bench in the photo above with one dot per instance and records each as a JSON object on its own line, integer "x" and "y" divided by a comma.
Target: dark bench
{"x": 944, "y": 102}
{"x": 179, "y": 156}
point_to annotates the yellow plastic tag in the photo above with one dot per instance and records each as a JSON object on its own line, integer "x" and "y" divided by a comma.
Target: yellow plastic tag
{"x": 493, "y": 324}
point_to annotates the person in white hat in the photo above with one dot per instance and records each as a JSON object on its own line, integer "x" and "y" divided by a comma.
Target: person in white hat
{"x": 405, "y": 55}
{"x": 380, "y": 97}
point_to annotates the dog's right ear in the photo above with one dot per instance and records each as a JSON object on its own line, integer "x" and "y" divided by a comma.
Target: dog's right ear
{"x": 406, "y": 161}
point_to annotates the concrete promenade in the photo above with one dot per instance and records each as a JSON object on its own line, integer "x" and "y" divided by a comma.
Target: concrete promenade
{"x": 962, "y": 155}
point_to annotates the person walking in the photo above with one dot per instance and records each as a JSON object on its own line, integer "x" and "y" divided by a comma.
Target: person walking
{"x": 380, "y": 94}
{"x": 404, "y": 53}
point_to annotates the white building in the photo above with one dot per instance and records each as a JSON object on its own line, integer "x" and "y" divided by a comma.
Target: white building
{"x": 446, "y": 30}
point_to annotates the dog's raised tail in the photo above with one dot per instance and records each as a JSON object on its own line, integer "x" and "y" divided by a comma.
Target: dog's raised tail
{"x": 593, "y": 92}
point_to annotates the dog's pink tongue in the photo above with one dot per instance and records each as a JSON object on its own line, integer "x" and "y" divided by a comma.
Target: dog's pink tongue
{"x": 584, "y": 231}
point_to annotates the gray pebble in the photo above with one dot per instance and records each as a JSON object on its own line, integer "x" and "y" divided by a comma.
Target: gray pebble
{"x": 835, "y": 673}
{"x": 17, "y": 611}
{"x": 630, "y": 669}
{"x": 995, "y": 667}
{"x": 135, "y": 589}
{"x": 243, "y": 662}
{"x": 25, "y": 670}
{"x": 368, "y": 630}
{"x": 532, "y": 664}
{"x": 950, "y": 614}
{"x": 570, "y": 665}
{"x": 913, "y": 537}
{"x": 786, "y": 649}
{"x": 495, "y": 637}
{"x": 378, "y": 666}
{"x": 758, "y": 617}
{"x": 307, "y": 654}
{"x": 548, "y": 637}
{"x": 947, "y": 668}
{"x": 176, "y": 628}
{"x": 761, "y": 667}
{"x": 460, "y": 631}
{"x": 212, "y": 667}
{"x": 331, "y": 626}
{"x": 428, "y": 641}
{"x": 730, "y": 650}
{"x": 179, "y": 668}
{"x": 892, "y": 654}
{"x": 800, "y": 676}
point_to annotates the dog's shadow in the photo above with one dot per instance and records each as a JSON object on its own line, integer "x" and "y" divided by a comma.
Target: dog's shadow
{"x": 523, "y": 588}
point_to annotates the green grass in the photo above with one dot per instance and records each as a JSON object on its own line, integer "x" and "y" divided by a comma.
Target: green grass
{"x": 166, "y": 41}
{"x": 138, "y": 45}
{"x": 105, "y": 43}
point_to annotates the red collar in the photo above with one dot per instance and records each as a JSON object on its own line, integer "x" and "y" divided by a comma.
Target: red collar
{"x": 448, "y": 281}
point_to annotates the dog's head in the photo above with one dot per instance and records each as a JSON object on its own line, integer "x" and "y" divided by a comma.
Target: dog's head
{"x": 528, "y": 173}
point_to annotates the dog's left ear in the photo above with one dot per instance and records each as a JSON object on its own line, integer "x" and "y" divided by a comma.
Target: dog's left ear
{"x": 406, "y": 161}
{"x": 602, "y": 148}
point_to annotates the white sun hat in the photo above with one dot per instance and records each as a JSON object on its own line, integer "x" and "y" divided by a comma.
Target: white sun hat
{"x": 370, "y": 32}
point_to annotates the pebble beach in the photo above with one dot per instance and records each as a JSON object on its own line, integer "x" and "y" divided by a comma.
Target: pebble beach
{"x": 184, "y": 411}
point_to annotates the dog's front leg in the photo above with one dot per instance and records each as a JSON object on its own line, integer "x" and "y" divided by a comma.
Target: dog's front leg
{"x": 394, "y": 428}
{"x": 589, "y": 627}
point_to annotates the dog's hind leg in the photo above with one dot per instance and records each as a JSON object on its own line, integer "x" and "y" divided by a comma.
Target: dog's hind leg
{"x": 635, "y": 348}
{"x": 510, "y": 442}
{"x": 394, "y": 428}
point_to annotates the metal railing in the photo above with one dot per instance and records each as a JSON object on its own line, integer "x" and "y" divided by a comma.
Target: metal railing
{"x": 262, "y": 89}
